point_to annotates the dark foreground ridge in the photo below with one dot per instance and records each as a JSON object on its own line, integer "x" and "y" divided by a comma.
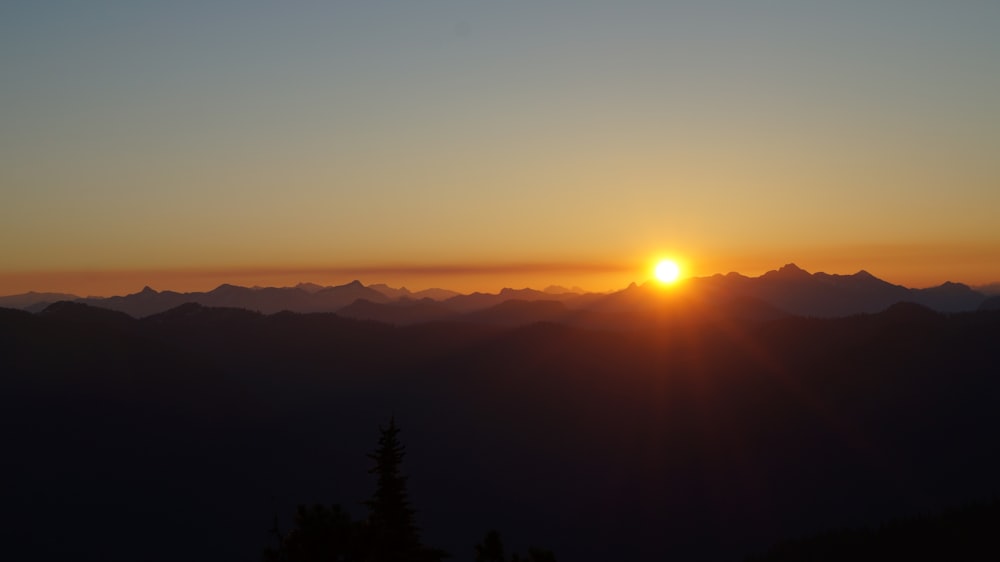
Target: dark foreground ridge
{"x": 967, "y": 533}
{"x": 179, "y": 435}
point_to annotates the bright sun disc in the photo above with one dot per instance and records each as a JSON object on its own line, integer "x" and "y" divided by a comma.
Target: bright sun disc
{"x": 667, "y": 271}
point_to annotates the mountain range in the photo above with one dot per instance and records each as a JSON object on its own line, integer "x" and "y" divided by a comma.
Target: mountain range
{"x": 785, "y": 291}
{"x": 183, "y": 434}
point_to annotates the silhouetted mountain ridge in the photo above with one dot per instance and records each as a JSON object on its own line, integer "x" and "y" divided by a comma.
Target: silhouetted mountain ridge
{"x": 828, "y": 295}
{"x": 789, "y": 290}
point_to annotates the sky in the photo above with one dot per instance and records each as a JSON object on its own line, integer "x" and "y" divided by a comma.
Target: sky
{"x": 477, "y": 145}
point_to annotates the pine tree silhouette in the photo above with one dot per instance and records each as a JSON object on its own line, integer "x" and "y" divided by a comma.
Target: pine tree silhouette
{"x": 392, "y": 531}
{"x": 389, "y": 534}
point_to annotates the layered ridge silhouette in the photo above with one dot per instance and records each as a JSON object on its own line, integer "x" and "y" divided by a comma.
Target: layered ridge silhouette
{"x": 789, "y": 289}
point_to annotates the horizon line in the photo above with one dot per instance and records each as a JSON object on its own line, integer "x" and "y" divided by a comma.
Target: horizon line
{"x": 120, "y": 275}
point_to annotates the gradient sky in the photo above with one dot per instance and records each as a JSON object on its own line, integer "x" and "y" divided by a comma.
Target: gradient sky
{"x": 480, "y": 144}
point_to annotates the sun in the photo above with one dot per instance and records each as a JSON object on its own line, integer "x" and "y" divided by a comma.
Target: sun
{"x": 667, "y": 271}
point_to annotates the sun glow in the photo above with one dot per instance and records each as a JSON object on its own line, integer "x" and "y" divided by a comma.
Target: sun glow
{"x": 667, "y": 271}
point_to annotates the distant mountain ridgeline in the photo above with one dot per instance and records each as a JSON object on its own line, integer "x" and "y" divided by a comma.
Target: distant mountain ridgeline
{"x": 786, "y": 291}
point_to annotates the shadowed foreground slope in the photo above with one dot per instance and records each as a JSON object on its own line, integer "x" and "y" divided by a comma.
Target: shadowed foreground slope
{"x": 968, "y": 533}
{"x": 181, "y": 434}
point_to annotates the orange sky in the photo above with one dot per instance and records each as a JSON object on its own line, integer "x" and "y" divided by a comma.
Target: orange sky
{"x": 479, "y": 146}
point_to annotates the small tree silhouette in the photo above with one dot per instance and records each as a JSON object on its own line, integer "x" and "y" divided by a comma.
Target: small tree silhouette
{"x": 389, "y": 534}
{"x": 392, "y": 531}
{"x": 390, "y": 519}
{"x": 320, "y": 534}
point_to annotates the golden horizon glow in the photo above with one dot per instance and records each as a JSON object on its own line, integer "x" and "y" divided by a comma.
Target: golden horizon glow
{"x": 895, "y": 264}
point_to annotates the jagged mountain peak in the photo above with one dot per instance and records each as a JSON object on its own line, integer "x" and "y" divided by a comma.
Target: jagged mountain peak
{"x": 353, "y": 285}
{"x": 789, "y": 272}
